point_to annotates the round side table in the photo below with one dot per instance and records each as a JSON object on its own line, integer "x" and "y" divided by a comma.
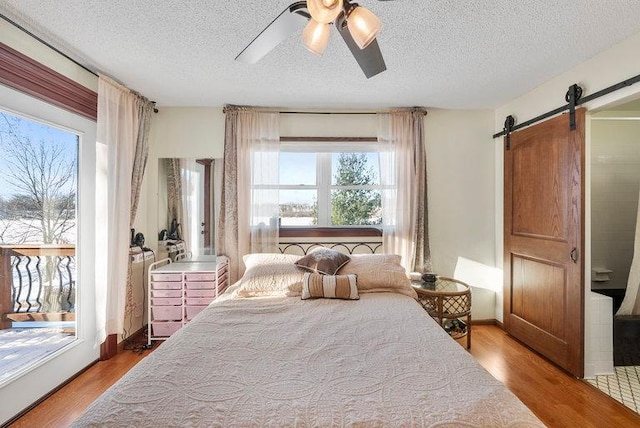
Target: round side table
{"x": 447, "y": 300}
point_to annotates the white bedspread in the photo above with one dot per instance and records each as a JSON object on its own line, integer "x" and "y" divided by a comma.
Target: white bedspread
{"x": 377, "y": 361}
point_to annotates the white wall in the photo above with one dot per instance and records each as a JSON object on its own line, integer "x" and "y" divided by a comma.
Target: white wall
{"x": 615, "y": 179}
{"x": 460, "y": 165}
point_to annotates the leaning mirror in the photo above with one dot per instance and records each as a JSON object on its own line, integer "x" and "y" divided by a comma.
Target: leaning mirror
{"x": 187, "y": 198}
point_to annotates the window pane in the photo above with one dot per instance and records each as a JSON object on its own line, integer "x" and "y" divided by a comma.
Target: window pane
{"x": 297, "y": 168}
{"x": 38, "y": 232}
{"x": 359, "y": 168}
{"x": 298, "y": 207}
{"x": 355, "y": 207}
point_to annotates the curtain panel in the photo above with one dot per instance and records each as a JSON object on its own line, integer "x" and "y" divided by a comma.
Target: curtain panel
{"x": 404, "y": 181}
{"x": 123, "y": 124}
{"x": 249, "y": 207}
{"x": 631, "y": 302}
{"x": 145, "y": 108}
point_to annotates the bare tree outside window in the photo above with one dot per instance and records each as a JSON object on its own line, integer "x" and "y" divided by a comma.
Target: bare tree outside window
{"x": 41, "y": 176}
{"x": 38, "y": 211}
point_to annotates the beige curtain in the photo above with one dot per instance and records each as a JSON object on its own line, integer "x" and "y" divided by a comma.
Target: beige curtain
{"x": 117, "y": 132}
{"x": 249, "y": 208}
{"x": 404, "y": 182}
{"x": 145, "y": 108}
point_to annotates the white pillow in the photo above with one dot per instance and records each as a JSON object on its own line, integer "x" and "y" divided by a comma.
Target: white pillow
{"x": 379, "y": 273}
{"x": 268, "y": 274}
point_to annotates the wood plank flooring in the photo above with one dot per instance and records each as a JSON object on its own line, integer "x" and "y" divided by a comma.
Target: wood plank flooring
{"x": 558, "y": 399}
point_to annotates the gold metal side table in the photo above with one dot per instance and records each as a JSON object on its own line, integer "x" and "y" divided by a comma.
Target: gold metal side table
{"x": 447, "y": 300}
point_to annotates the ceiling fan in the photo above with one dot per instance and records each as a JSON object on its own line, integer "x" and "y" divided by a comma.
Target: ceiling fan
{"x": 357, "y": 25}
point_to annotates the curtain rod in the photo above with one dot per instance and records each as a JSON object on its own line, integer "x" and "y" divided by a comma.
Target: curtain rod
{"x": 18, "y": 26}
{"x": 232, "y": 107}
{"x": 325, "y": 112}
{"x": 424, "y": 112}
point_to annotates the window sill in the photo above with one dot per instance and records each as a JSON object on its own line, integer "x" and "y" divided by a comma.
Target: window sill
{"x": 328, "y": 232}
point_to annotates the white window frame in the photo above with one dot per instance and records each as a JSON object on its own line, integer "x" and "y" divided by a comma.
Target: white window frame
{"x": 18, "y": 392}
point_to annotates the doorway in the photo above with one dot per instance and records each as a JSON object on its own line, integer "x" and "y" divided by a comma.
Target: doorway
{"x": 67, "y": 260}
{"x": 615, "y": 185}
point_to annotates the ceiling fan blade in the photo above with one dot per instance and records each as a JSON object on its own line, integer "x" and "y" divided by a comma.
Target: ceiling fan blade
{"x": 292, "y": 19}
{"x": 370, "y": 58}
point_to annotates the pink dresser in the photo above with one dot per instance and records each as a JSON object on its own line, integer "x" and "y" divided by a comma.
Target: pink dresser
{"x": 180, "y": 290}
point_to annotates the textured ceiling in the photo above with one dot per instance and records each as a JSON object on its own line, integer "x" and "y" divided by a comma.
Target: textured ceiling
{"x": 439, "y": 53}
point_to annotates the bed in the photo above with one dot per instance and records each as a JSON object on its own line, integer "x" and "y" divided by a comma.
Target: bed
{"x": 261, "y": 355}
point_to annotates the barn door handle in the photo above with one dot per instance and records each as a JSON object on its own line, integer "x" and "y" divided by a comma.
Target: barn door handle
{"x": 574, "y": 255}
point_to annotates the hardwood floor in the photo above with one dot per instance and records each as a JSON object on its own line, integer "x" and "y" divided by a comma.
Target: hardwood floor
{"x": 558, "y": 399}
{"x": 68, "y": 403}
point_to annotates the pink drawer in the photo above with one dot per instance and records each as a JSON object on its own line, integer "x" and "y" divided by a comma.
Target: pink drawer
{"x": 166, "y": 313}
{"x": 164, "y": 328}
{"x": 164, "y": 285}
{"x": 199, "y": 301}
{"x": 166, "y": 276}
{"x": 200, "y": 285}
{"x": 201, "y": 293}
{"x": 201, "y": 276}
{"x": 192, "y": 311}
{"x": 167, "y": 301}
{"x": 166, "y": 293}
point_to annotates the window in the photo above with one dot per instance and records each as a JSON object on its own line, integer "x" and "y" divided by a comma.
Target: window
{"x": 329, "y": 185}
{"x": 65, "y": 111}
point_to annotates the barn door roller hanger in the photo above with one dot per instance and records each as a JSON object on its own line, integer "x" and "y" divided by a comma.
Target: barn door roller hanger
{"x": 573, "y": 97}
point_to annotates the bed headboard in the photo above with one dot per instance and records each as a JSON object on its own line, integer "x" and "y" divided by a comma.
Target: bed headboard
{"x": 372, "y": 246}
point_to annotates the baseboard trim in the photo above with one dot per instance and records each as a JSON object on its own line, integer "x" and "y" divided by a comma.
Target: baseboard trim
{"x": 483, "y": 322}
{"x": 488, "y": 322}
{"x": 137, "y": 336}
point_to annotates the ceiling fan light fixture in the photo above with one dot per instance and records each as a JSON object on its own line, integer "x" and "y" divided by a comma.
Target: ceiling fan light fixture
{"x": 363, "y": 25}
{"x": 324, "y": 11}
{"x": 316, "y": 36}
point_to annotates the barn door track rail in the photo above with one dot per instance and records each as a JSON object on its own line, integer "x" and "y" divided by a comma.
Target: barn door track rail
{"x": 573, "y": 97}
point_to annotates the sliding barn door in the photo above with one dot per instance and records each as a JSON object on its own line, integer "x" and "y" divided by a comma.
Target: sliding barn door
{"x": 543, "y": 240}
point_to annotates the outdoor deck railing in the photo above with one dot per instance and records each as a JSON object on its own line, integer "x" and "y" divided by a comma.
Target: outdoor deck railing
{"x": 37, "y": 282}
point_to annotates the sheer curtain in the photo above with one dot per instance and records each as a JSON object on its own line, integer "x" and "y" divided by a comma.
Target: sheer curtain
{"x": 404, "y": 187}
{"x": 117, "y": 131}
{"x": 631, "y": 302}
{"x": 249, "y": 208}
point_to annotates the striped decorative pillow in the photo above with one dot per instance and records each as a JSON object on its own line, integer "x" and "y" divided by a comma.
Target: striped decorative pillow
{"x": 315, "y": 285}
